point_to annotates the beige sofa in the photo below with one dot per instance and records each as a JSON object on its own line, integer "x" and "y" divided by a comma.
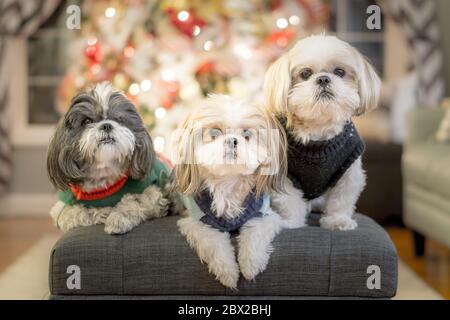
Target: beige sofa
{"x": 426, "y": 179}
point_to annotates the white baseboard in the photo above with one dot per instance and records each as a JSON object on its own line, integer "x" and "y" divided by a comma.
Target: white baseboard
{"x": 26, "y": 204}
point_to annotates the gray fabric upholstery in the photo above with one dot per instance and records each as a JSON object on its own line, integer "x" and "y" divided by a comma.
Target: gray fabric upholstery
{"x": 155, "y": 260}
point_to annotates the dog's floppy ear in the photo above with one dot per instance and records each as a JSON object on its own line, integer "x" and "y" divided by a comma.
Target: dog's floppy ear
{"x": 272, "y": 175}
{"x": 62, "y": 168}
{"x": 143, "y": 155}
{"x": 369, "y": 85}
{"x": 56, "y": 175}
{"x": 187, "y": 175}
{"x": 277, "y": 82}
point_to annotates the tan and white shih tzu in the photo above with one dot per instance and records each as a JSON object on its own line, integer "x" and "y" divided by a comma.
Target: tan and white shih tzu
{"x": 230, "y": 158}
{"x": 102, "y": 161}
{"x": 316, "y": 88}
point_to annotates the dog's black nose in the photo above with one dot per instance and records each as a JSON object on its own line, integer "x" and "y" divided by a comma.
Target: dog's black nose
{"x": 107, "y": 127}
{"x": 323, "y": 81}
{"x": 232, "y": 142}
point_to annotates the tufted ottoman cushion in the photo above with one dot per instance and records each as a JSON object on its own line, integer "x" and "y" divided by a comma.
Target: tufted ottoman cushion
{"x": 154, "y": 261}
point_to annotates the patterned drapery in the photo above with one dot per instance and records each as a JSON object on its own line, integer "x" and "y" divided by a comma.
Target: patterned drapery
{"x": 17, "y": 17}
{"x": 418, "y": 20}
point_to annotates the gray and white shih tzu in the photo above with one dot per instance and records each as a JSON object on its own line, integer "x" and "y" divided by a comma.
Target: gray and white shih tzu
{"x": 316, "y": 88}
{"x": 101, "y": 159}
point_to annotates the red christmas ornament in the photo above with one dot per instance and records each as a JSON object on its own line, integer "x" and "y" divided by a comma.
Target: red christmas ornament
{"x": 205, "y": 67}
{"x": 94, "y": 52}
{"x": 281, "y": 38}
{"x": 187, "y": 24}
{"x": 172, "y": 90}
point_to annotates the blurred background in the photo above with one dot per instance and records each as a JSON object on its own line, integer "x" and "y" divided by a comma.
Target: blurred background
{"x": 168, "y": 55}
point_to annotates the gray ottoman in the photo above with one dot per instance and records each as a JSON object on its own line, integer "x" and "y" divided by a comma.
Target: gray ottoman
{"x": 155, "y": 262}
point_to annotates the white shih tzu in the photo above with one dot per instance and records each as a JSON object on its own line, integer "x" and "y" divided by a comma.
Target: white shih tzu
{"x": 230, "y": 157}
{"x": 101, "y": 158}
{"x": 316, "y": 88}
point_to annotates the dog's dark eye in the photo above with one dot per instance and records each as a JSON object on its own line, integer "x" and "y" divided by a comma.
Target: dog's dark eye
{"x": 305, "y": 74}
{"x": 215, "y": 133}
{"x": 247, "y": 134}
{"x": 339, "y": 72}
{"x": 86, "y": 122}
{"x": 120, "y": 120}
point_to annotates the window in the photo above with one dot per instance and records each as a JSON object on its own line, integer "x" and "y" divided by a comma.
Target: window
{"x": 47, "y": 63}
{"x": 348, "y": 22}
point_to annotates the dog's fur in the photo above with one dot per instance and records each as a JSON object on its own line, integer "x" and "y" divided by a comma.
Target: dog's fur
{"x": 206, "y": 161}
{"x": 82, "y": 153}
{"x": 291, "y": 89}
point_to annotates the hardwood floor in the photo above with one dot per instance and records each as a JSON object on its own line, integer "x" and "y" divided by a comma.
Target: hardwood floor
{"x": 434, "y": 267}
{"x": 17, "y": 235}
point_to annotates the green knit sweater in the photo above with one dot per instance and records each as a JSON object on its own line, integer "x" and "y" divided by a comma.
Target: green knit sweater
{"x": 158, "y": 175}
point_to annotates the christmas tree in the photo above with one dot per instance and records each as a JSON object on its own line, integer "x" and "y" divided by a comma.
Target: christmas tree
{"x": 168, "y": 55}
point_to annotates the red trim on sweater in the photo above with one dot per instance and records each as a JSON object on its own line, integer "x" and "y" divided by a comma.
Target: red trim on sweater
{"x": 97, "y": 194}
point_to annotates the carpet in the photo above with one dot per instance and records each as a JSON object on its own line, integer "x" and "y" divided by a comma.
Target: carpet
{"x": 27, "y": 277}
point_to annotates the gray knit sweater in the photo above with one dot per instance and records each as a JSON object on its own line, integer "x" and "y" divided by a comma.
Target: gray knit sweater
{"x": 318, "y": 165}
{"x": 252, "y": 209}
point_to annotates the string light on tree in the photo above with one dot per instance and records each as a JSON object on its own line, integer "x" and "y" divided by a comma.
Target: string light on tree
{"x": 190, "y": 91}
{"x": 196, "y": 31}
{"x": 282, "y": 23}
{"x": 183, "y": 15}
{"x": 159, "y": 143}
{"x": 243, "y": 51}
{"x": 160, "y": 113}
{"x": 146, "y": 85}
{"x": 294, "y": 20}
{"x": 134, "y": 89}
{"x": 168, "y": 75}
{"x": 207, "y": 46}
{"x": 110, "y": 12}
{"x": 92, "y": 41}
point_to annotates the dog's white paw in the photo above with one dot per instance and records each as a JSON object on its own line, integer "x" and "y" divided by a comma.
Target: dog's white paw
{"x": 163, "y": 206}
{"x": 255, "y": 244}
{"x": 117, "y": 223}
{"x": 251, "y": 267}
{"x": 100, "y": 215}
{"x": 254, "y": 254}
{"x": 228, "y": 274}
{"x": 156, "y": 205}
{"x": 338, "y": 222}
{"x": 66, "y": 223}
{"x": 213, "y": 248}
{"x": 73, "y": 217}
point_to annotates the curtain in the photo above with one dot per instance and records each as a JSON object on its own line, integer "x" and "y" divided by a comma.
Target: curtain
{"x": 418, "y": 20}
{"x": 17, "y": 18}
